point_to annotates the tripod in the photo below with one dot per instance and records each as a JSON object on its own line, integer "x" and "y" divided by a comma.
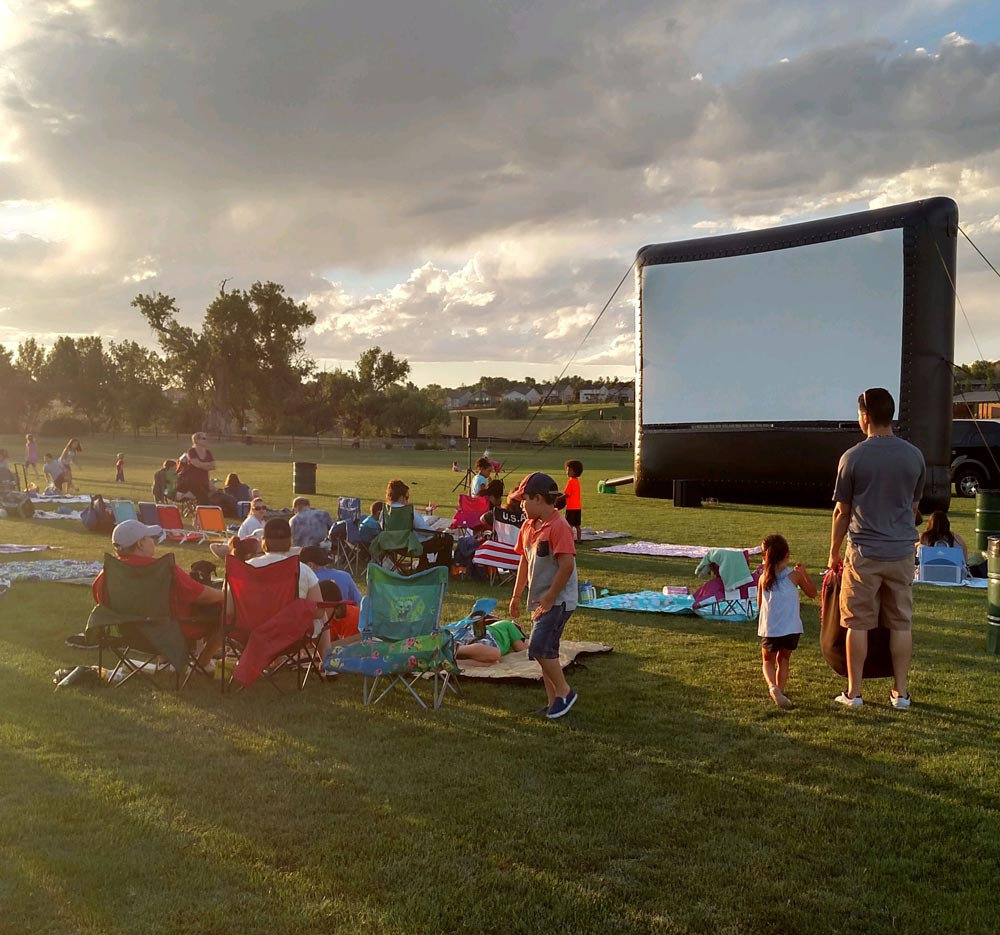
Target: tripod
{"x": 466, "y": 478}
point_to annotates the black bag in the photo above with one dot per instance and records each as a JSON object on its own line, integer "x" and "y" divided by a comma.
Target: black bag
{"x": 17, "y": 504}
{"x": 97, "y": 517}
{"x": 833, "y": 637}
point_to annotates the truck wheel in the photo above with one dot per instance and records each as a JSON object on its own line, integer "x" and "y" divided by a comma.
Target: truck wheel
{"x": 967, "y": 482}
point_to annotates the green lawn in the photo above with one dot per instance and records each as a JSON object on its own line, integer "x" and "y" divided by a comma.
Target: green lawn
{"x": 674, "y": 798}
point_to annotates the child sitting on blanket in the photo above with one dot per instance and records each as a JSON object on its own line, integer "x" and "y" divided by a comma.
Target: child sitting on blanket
{"x": 780, "y": 624}
{"x": 500, "y": 638}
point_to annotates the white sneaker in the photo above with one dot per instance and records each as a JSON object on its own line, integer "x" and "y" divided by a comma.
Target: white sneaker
{"x": 848, "y": 702}
{"x": 899, "y": 702}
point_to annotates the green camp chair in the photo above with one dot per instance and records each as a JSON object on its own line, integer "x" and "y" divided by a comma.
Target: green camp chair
{"x": 401, "y": 638}
{"x": 137, "y": 625}
{"x": 397, "y": 543}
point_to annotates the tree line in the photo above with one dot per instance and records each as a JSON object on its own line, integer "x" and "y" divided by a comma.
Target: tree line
{"x": 245, "y": 370}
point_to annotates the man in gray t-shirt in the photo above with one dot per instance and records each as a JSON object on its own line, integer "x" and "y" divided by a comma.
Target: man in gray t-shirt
{"x": 879, "y": 484}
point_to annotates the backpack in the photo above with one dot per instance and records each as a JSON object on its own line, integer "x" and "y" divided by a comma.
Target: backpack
{"x": 97, "y": 517}
{"x": 17, "y": 504}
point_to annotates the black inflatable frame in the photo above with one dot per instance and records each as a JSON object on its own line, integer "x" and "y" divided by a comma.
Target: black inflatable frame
{"x": 794, "y": 463}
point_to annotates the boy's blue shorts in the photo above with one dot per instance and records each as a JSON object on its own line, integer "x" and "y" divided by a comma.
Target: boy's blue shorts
{"x": 546, "y": 632}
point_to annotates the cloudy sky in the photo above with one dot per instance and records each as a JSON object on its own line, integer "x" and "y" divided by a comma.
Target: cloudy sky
{"x": 465, "y": 182}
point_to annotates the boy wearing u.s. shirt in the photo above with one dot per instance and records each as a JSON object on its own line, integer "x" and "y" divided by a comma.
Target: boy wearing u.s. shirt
{"x": 548, "y": 570}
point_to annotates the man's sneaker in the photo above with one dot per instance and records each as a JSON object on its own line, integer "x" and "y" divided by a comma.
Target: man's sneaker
{"x": 561, "y": 705}
{"x": 849, "y": 702}
{"x": 899, "y": 702}
{"x": 780, "y": 698}
{"x": 81, "y": 641}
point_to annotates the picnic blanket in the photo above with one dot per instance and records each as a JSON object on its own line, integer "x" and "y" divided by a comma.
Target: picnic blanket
{"x": 592, "y": 535}
{"x": 656, "y": 602}
{"x": 59, "y": 498}
{"x": 12, "y": 548}
{"x": 52, "y": 514}
{"x": 667, "y": 549}
{"x": 66, "y": 571}
{"x": 981, "y": 583}
{"x": 519, "y": 666}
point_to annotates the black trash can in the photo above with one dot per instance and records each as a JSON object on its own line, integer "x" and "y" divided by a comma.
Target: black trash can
{"x": 987, "y": 517}
{"x": 304, "y": 477}
{"x": 993, "y": 595}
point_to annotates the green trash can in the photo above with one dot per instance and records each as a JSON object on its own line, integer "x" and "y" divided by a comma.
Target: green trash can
{"x": 993, "y": 595}
{"x": 987, "y": 517}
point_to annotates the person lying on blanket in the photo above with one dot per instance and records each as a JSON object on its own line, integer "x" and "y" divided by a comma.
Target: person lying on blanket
{"x": 135, "y": 544}
{"x": 501, "y": 638}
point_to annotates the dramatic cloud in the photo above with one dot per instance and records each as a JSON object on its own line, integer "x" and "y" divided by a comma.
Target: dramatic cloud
{"x": 460, "y": 182}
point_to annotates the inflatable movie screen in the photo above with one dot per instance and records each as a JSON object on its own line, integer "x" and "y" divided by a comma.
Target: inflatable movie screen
{"x": 752, "y": 348}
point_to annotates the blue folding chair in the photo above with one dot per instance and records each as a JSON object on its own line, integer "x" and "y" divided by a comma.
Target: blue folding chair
{"x": 123, "y": 510}
{"x": 148, "y": 514}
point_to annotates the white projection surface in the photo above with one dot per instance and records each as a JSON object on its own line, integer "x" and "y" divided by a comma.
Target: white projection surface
{"x": 785, "y": 335}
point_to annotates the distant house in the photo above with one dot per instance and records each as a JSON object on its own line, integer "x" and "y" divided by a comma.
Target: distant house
{"x": 517, "y": 394}
{"x": 593, "y": 394}
{"x": 566, "y": 394}
{"x": 622, "y": 393}
{"x": 457, "y": 400}
{"x": 532, "y": 395}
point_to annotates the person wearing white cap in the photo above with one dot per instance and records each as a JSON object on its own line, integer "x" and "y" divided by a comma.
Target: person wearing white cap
{"x": 135, "y": 544}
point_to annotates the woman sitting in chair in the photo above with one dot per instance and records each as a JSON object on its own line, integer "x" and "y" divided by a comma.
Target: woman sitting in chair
{"x": 437, "y": 544}
{"x": 235, "y": 488}
{"x": 938, "y": 532}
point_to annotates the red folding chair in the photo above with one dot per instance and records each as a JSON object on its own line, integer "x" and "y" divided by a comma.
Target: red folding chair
{"x": 173, "y": 524}
{"x": 266, "y": 625}
{"x": 469, "y": 515}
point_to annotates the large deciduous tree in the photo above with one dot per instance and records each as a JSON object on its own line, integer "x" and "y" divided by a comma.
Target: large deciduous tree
{"x": 249, "y": 354}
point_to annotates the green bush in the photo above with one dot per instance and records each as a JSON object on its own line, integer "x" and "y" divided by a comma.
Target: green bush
{"x": 512, "y": 409}
{"x": 579, "y": 436}
{"x": 70, "y": 426}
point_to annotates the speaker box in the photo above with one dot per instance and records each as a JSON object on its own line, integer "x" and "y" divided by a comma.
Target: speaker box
{"x": 470, "y": 427}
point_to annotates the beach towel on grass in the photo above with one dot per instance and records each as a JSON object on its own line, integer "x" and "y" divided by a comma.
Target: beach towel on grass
{"x": 656, "y": 602}
{"x": 666, "y": 549}
{"x": 518, "y": 666}
{"x": 592, "y": 535}
{"x": 13, "y": 548}
{"x": 67, "y": 572}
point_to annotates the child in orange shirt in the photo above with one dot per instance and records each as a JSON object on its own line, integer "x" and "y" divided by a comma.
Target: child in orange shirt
{"x": 574, "y": 504}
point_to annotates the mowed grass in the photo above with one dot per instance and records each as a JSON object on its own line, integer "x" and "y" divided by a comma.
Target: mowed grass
{"x": 674, "y": 798}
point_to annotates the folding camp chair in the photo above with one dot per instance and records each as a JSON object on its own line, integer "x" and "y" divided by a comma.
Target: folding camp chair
{"x": 352, "y": 549}
{"x": 269, "y": 628}
{"x": 401, "y": 637}
{"x": 940, "y": 564}
{"x": 498, "y": 553}
{"x": 714, "y": 600}
{"x": 172, "y": 523}
{"x": 470, "y": 511}
{"x": 397, "y": 543}
{"x": 211, "y": 521}
{"x": 242, "y": 509}
{"x": 123, "y": 510}
{"x": 137, "y": 624}
{"x": 148, "y": 514}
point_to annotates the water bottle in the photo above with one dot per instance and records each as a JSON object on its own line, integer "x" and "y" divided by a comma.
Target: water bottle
{"x": 588, "y": 593}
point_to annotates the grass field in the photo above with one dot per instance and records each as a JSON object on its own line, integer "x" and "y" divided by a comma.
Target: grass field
{"x": 674, "y": 798}
{"x": 617, "y": 426}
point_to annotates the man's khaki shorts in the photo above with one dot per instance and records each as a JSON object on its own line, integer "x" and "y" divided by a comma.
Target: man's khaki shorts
{"x": 874, "y": 592}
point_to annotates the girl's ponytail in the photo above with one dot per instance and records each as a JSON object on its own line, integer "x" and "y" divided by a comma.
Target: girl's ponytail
{"x": 775, "y": 550}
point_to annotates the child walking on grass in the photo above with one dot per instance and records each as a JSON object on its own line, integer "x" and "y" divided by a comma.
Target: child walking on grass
{"x": 120, "y": 468}
{"x": 780, "y": 624}
{"x": 548, "y": 570}
{"x": 574, "y": 502}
